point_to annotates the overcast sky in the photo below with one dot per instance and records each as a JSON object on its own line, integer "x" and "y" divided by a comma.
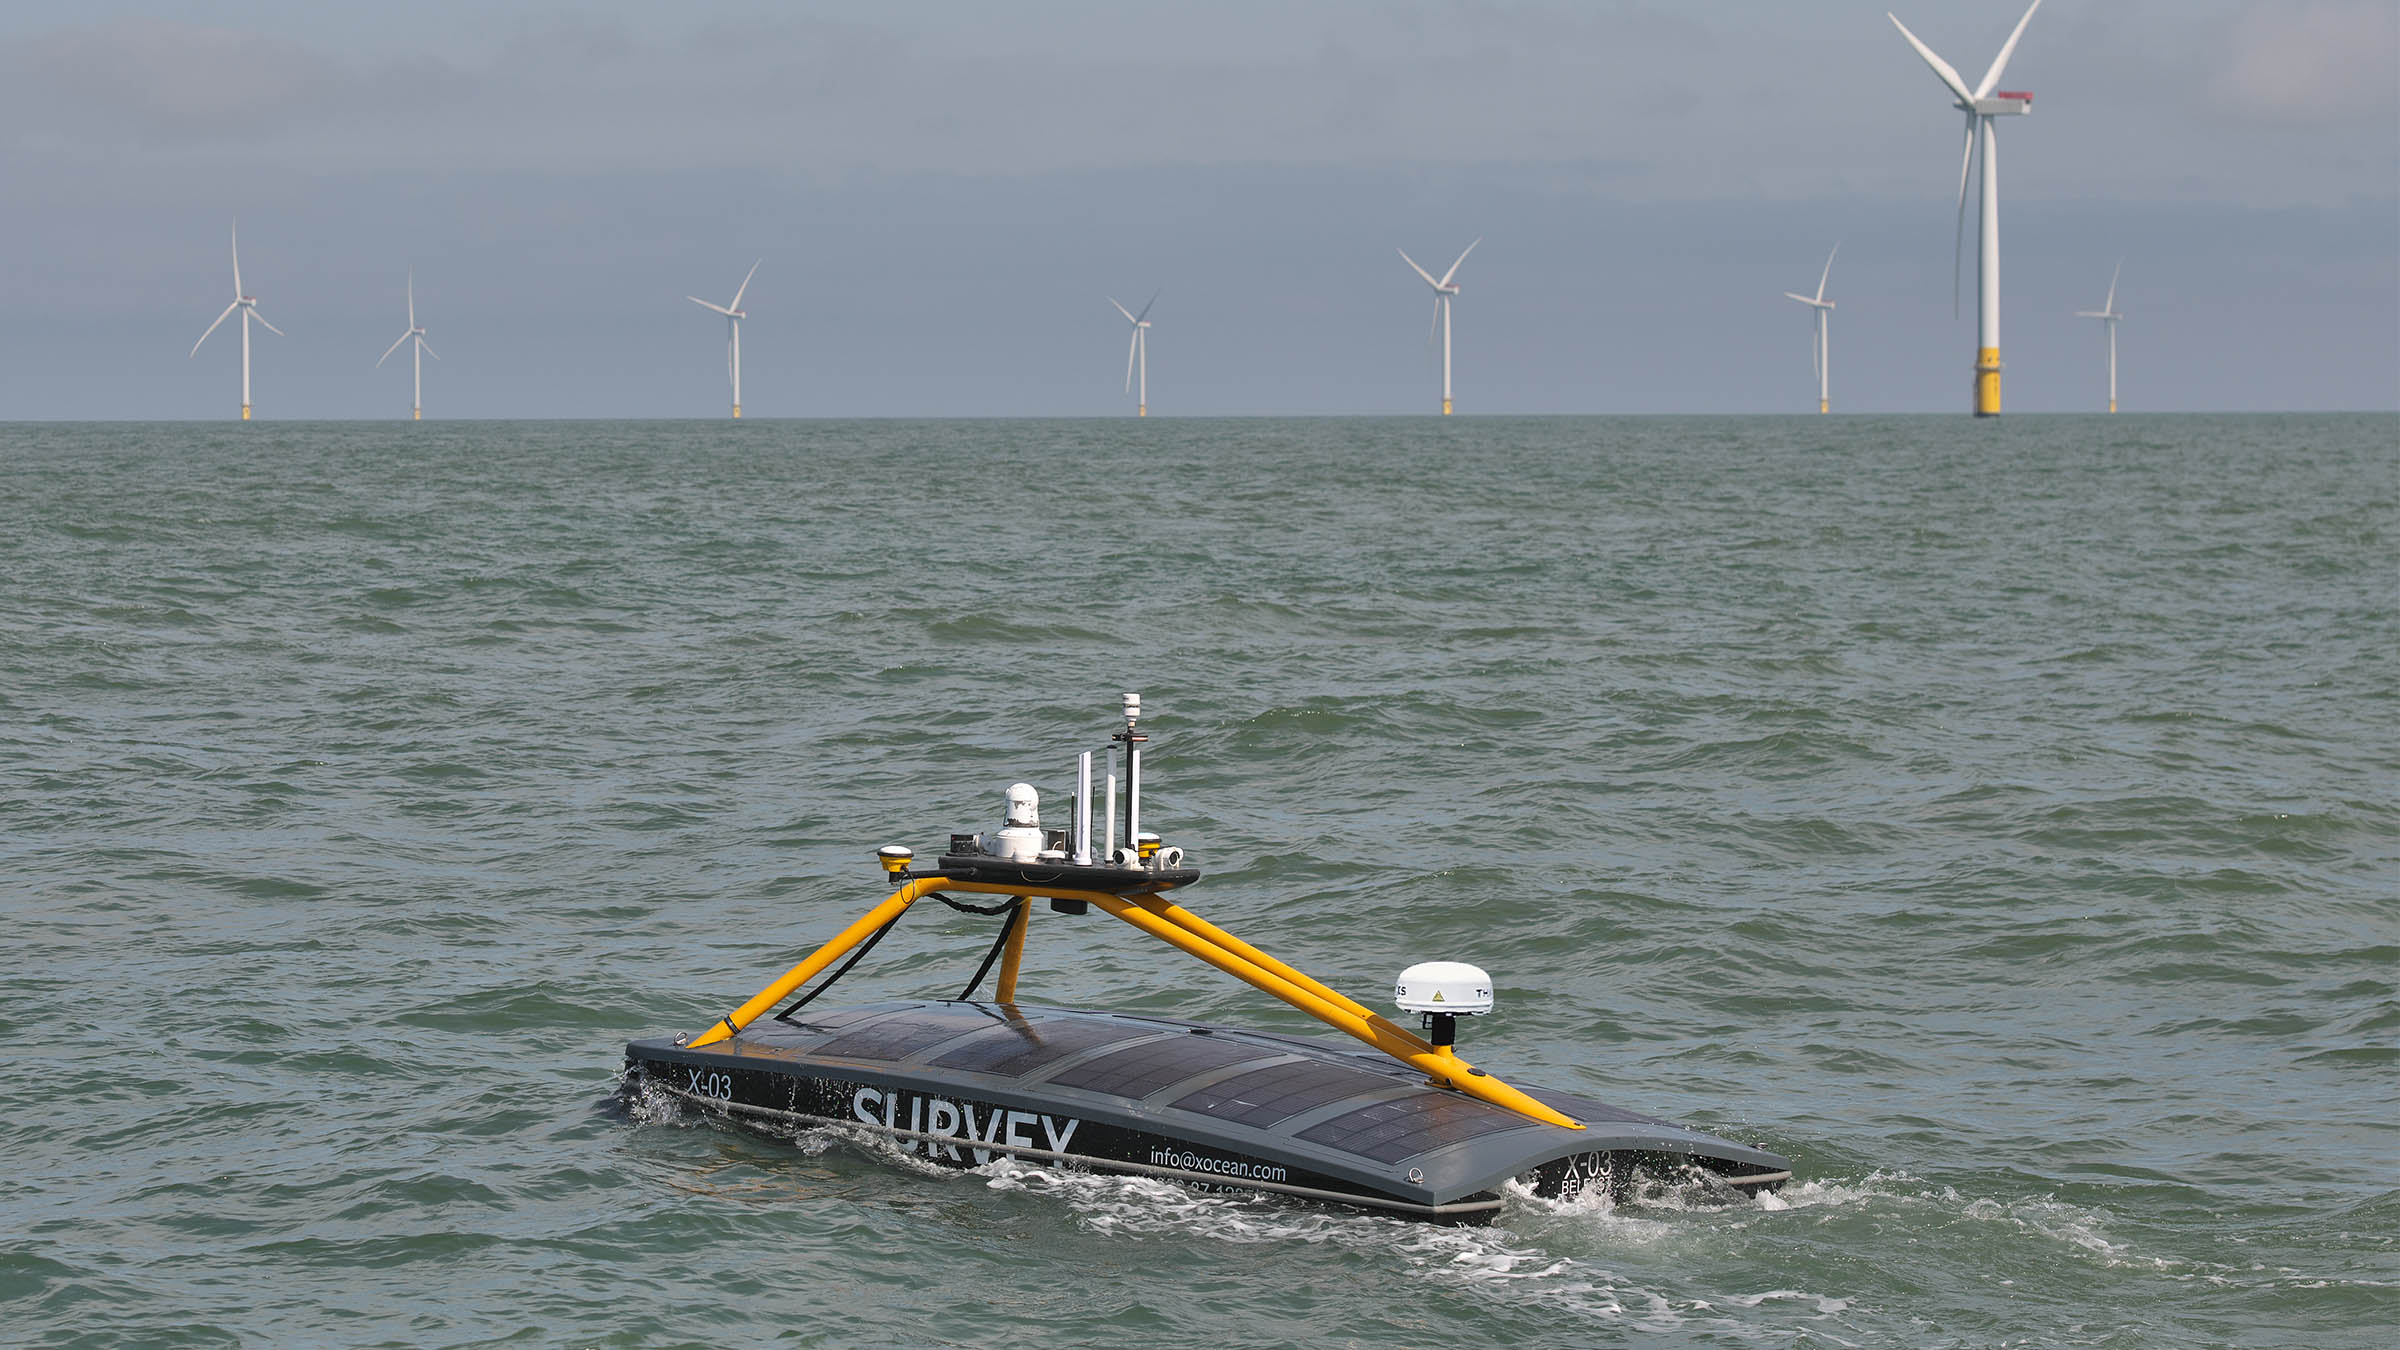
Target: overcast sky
{"x": 944, "y": 192}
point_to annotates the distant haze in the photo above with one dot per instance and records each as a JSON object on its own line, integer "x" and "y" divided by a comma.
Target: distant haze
{"x": 944, "y": 193}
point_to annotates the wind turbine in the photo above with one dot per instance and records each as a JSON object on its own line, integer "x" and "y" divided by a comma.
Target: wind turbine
{"x": 1981, "y": 105}
{"x": 248, "y": 305}
{"x": 1442, "y": 291}
{"x": 733, "y": 339}
{"x": 416, "y": 407}
{"x": 1816, "y": 346}
{"x": 2107, "y": 314}
{"x": 1138, "y": 352}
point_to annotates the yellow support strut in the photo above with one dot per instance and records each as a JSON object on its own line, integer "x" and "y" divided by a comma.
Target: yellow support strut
{"x": 1013, "y": 954}
{"x": 1199, "y": 927}
{"x": 1373, "y": 1029}
{"x": 824, "y": 956}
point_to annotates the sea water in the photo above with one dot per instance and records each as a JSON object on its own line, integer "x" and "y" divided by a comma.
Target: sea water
{"x": 1998, "y": 819}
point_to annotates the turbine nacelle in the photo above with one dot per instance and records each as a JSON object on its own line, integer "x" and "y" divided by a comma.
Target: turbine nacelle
{"x": 732, "y": 309}
{"x": 2108, "y": 307}
{"x": 1998, "y": 105}
{"x": 414, "y": 332}
{"x": 1445, "y": 286}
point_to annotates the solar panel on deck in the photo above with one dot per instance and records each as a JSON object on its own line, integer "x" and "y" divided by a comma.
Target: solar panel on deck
{"x": 904, "y": 1033}
{"x": 1588, "y": 1111}
{"x": 1265, "y": 1096}
{"x": 1390, "y": 1131}
{"x": 829, "y": 1020}
{"x": 1139, "y": 1070}
{"x": 1018, "y": 1047}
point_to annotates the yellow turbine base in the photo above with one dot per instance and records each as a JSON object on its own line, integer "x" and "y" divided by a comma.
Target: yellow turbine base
{"x": 1445, "y": 407}
{"x": 737, "y": 410}
{"x": 245, "y": 412}
{"x": 1987, "y": 382}
{"x": 2112, "y": 405}
{"x": 1824, "y": 405}
{"x": 1142, "y": 410}
{"x": 416, "y": 414}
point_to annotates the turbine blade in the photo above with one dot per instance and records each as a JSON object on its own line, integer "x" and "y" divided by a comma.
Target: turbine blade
{"x": 237, "y": 259}
{"x": 2111, "y": 305}
{"x": 710, "y": 304}
{"x": 1816, "y": 354}
{"x": 229, "y": 309}
{"x": 412, "y": 297}
{"x": 262, "y": 322}
{"x": 1799, "y": 297}
{"x": 2007, "y": 49}
{"x": 1462, "y": 257}
{"x": 1146, "y": 307}
{"x": 1837, "y": 247}
{"x": 737, "y": 295}
{"x": 1124, "y": 311}
{"x": 1412, "y": 263}
{"x": 428, "y": 349}
{"x": 1434, "y": 333}
{"x": 1958, "y": 243}
{"x": 387, "y": 352}
{"x": 1941, "y": 67}
{"x": 1130, "y": 345}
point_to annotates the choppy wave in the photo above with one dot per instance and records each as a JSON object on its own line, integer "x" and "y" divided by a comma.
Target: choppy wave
{"x": 1998, "y": 820}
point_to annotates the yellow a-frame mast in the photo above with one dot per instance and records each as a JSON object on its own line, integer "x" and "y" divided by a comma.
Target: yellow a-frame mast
{"x": 1152, "y": 913}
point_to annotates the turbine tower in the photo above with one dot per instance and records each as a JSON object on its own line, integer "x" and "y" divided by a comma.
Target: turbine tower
{"x": 1138, "y": 353}
{"x": 2107, "y": 314}
{"x": 1822, "y": 354}
{"x": 1981, "y": 104}
{"x": 1442, "y": 291}
{"x": 733, "y": 334}
{"x": 248, "y": 305}
{"x": 416, "y": 407}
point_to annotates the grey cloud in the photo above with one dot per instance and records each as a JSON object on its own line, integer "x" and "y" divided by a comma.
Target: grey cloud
{"x": 2145, "y": 100}
{"x": 148, "y": 82}
{"x": 2317, "y": 63}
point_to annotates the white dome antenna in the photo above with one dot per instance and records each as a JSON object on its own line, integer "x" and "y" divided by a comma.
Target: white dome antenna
{"x": 1442, "y": 992}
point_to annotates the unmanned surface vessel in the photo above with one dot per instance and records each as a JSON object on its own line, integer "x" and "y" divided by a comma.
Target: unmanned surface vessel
{"x": 1402, "y": 1125}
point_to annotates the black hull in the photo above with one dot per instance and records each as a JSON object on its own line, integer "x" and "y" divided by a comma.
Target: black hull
{"x": 960, "y": 1084}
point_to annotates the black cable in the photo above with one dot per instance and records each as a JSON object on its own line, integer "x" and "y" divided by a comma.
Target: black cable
{"x": 855, "y": 957}
{"x": 1002, "y": 908}
{"x": 1016, "y": 920}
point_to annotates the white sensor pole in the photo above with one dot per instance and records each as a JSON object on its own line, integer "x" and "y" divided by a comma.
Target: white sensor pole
{"x": 1133, "y": 797}
{"x": 1111, "y": 835}
{"x": 1083, "y": 809}
{"x": 1133, "y": 777}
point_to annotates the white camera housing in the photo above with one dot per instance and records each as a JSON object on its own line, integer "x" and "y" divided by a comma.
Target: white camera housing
{"x": 1452, "y": 987}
